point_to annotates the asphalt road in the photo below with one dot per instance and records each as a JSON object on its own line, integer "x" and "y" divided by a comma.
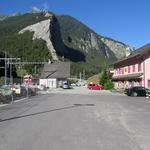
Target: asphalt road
{"x": 87, "y": 120}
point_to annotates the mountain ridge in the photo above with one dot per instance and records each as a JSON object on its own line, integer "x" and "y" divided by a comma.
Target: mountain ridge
{"x": 70, "y": 38}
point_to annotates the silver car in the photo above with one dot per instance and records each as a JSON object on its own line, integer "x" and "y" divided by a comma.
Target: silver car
{"x": 66, "y": 86}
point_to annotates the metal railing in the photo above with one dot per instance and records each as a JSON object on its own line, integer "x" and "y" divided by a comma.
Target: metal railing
{"x": 11, "y": 93}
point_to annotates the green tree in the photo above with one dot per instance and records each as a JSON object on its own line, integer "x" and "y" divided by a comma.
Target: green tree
{"x": 104, "y": 77}
{"x": 21, "y": 72}
{"x": 109, "y": 85}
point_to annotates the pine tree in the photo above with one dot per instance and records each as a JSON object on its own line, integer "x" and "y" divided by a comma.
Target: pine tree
{"x": 104, "y": 77}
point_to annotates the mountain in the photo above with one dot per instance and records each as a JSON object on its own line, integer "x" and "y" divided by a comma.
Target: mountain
{"x": 119, "y": 49}
{"x": 44, "y": 36}
{"x": 77, "y": 35}
{"x": 2, "y": 17}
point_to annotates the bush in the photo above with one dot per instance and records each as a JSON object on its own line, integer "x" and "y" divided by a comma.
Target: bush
{"x": 109, "y": 85}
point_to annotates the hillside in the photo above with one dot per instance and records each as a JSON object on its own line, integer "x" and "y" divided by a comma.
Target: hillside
{"x": 78, "y": 36}
{"x": 2, "y": 17}
{"x": 94, "y": 79}
{"x": 65, "y": 37}
{"x": 22, "y": 45}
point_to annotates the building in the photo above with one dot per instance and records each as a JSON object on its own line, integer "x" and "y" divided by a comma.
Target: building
{"x": 55, "y": 74}
{"x": 28, "y": 79}
{"x": 133, "y": 70}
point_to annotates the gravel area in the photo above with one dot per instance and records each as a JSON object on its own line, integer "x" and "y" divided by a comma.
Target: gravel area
{"x": 84, "y": 91}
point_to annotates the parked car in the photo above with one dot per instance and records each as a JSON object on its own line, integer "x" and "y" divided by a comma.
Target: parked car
{"x": 136, "y": 91}
{"x": 94, "y": 87}
{"x": 78, "y": 84}
{"x": 66, "y": 86}
{"x": 73, "y": 84}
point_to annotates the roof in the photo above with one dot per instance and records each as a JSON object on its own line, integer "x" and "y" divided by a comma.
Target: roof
{"x": 128, "y": 76}
{"x": 56, "y": 70}
{"x": 137, "y": 54}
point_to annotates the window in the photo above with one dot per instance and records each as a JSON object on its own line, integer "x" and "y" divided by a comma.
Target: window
{"x": 148, "y": 82}
{"x": 133, "y": 68}
{"x": 128, "y": 69}
{"x": 125, "y": 69}
{"x": 140, "y": 83}
{"x": 139, "y": 67}
{"x": 122, "y": 70}
{"x": 119, "y": 70}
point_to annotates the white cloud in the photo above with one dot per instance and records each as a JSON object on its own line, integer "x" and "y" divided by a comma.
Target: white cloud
{"x": 34, "y": 8}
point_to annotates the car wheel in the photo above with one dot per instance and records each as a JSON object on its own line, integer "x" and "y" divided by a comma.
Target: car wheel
{"x": 134, "y": 94}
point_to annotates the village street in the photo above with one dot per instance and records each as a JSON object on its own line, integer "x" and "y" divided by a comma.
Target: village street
{"x": 76, "y": 119}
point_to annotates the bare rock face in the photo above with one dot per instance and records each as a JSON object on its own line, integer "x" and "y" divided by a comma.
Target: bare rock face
{"x": 77, "y": 36}
{"x": 120, "y": 50}
{"x": 48, "y": 14}
{"x": 94, "y": 42}
{"x": 41, "y": 31}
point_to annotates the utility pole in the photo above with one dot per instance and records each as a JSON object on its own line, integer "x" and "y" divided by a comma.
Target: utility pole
{"x": 12, "y": 92}
{"x": 35, "y": 69}
{"x": 84, "y": 74}
{"x": 63, "y": 58}
{"x": 5, "y": 68}
{"x": 80, "y": 76}
{"x": 10, "y": 80}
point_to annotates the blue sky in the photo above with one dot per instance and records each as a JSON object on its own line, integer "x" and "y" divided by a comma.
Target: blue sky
{"x": 127, "y": 21}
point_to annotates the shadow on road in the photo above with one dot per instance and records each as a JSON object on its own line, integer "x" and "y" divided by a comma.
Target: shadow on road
{"x": 43, "y": 112}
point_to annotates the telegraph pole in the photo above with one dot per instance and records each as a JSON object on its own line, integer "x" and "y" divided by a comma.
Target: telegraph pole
{"x": 9, "y": 61}
{"x": 35, "y": 69}
{"x": 5, "y": 68}
{"x": 80, "y": 76}
{"x": 84, "y": 74}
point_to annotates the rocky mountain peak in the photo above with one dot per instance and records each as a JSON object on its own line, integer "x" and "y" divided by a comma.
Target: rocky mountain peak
{"x": 44, "y": 36}
{"x": 41, "y": 31}
{"x": 118, "y": 48}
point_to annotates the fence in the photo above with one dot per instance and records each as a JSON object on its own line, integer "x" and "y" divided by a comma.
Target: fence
{"x": 10, "y": 93}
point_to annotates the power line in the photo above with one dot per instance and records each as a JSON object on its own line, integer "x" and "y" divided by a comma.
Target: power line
{"x": 28, "y": 63}
{"x": 9, "y": 61}
{"x": 16, "y": 61}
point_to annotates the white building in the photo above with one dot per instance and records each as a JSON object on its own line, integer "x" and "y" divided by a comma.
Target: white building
{"x": 55, "y": 74}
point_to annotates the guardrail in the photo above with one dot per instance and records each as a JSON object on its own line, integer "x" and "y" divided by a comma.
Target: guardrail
{"x": 8, "y": 94}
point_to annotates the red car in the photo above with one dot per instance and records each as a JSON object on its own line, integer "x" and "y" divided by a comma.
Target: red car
{"x": 95, "y": 87}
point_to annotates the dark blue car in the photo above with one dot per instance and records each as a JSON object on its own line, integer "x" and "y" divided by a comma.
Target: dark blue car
{"x": 136, "y": 91}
